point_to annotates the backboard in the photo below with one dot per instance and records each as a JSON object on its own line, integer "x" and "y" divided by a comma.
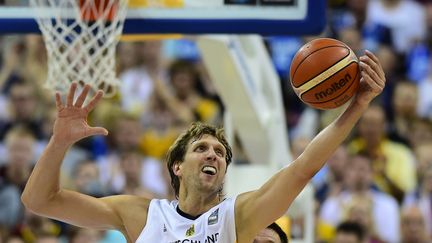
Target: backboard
{"x": 264, "y": 17}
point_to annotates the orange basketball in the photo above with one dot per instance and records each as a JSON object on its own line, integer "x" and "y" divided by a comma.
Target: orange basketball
{"x": 92, "y": 10}
{"x": 325, "y": 73}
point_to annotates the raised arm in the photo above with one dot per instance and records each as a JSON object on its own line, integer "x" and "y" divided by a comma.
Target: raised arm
{"x": 262, "y": 207}
{"x": 43, "y": 195}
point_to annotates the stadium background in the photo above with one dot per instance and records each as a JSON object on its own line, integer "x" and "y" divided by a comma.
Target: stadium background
{"x": 166, "y": 86}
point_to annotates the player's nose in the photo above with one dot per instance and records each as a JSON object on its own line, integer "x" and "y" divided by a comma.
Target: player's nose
{"x": 211, "y": 154}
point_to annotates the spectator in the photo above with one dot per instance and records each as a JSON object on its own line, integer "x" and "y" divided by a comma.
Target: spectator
{"x": 349, "y": 232}
{"x": 10, "y": 204}
{"x": 406, "y": 20}
{"x": 421, "y": 199}
{"x": 393, "y": 163}
{"x": 124, "y": 139}
{"x": 359, "y": 184}
{"x": 82, "y": 235}
{"x": 360, "y": 210}
{"x": 138, "y": 81}
{"x": 24, "y": 110}
{"x": 184, "y": 79}
{"x": 334, "y": 182}
{"x": 87, "y": 180}
{"x": 273, "y": 233}
{"x": 413, "y": 228}
{"x": 404, "y": 100}
{"x": 132, "y": 167}
{"x": 47, "y": 238}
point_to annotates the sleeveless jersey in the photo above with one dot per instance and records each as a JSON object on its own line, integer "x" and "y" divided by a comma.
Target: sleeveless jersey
{"x": 166, "y": 225}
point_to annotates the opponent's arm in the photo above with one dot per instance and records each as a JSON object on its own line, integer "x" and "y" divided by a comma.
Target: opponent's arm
{"x": 43, "y": 195}
{"x": 261, "y": 207}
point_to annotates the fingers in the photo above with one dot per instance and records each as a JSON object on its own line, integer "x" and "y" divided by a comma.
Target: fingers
{"x": 374, "y": 86}
{"x": 94, "y": 101}
{"x": 59, "y": 104}
{"x": 372, "y": 71}
{"x": 97, "y": 131}
{"x": 82, "y": 96}
{"x": 379, "y": 68}
{"x": 71, "y": 94}
{"x": 370, "y": 59}
{"x": 366, "y": 69}
{"x": 91, "y": 131}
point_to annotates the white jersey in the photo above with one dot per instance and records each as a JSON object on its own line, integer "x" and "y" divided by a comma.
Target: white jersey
{"x": 166, "y": 225}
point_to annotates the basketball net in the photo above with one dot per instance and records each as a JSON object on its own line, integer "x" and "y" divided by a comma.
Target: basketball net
{"x": 80, "y": 37}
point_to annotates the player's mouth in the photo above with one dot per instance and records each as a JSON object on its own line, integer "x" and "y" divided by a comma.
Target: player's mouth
{"x": 209, "y": 170}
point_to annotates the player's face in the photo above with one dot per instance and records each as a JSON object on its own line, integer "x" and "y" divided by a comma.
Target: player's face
{"x": 267, "y": 236}
{"x": 204, "y": 165}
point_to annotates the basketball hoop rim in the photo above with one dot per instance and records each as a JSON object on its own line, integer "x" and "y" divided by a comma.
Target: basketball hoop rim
{"x": 313, "y": 23}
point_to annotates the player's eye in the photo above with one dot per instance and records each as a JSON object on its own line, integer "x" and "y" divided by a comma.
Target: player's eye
{"x": 200, "y": 148}
{"x": 220, "y": 153}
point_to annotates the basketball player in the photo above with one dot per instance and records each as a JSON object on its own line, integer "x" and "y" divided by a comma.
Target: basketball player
{"x": 197, "y": 163}
{"x": 272, "y": 234}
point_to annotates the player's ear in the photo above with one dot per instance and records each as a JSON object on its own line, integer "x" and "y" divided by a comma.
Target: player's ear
{"x": 176, "y": 168}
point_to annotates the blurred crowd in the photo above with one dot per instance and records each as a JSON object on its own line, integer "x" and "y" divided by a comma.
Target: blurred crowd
{"x": 377, "y": 187}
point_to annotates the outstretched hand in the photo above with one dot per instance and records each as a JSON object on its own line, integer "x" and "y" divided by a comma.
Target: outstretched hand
{"x": 71, "y": 123}
{"x": 373, "y": 79}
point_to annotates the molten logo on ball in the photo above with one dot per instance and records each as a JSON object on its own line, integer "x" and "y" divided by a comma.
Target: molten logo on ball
{"x": 334, "y": 87}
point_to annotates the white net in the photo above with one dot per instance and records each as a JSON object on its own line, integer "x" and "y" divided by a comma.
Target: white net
{"x": 80, "y": 38}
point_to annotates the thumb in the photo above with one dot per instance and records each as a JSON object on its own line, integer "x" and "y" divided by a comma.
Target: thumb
{"x": 97, "y": 131}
